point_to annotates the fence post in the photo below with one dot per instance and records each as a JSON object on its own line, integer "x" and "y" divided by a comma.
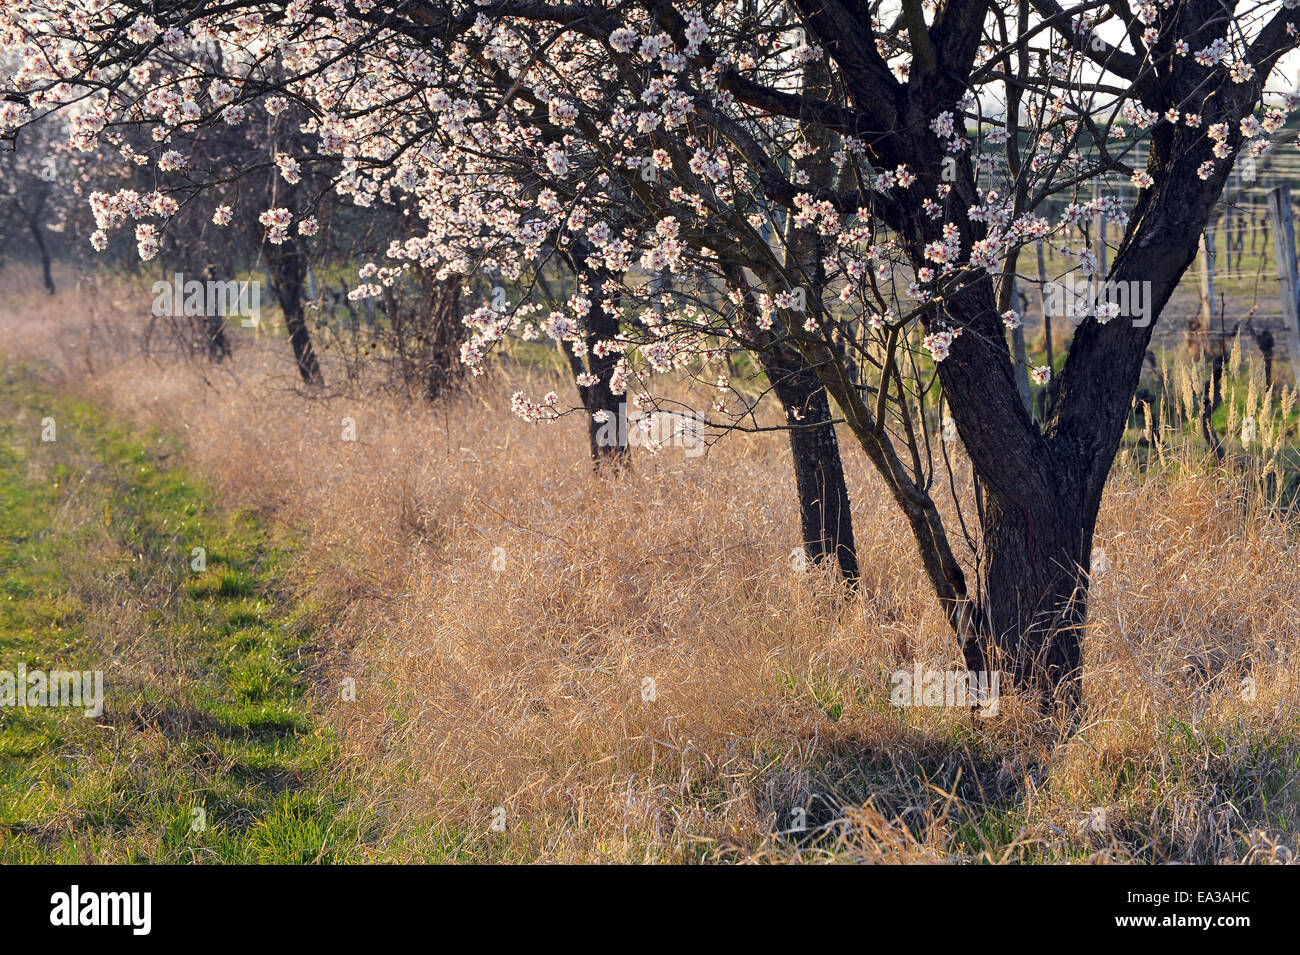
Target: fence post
{"x": 1018, "y": 348}
{"x": 1207, "y": 277}
{"x": 1279, "y": 211}
{"x": 1099, "y": 236}
{"x": 1042, "y": 303}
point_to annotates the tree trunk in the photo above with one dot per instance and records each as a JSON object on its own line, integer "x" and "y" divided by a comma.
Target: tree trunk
{"x": 215, "y": 333}
{"x": 824, "y": 512}
{"x": 35, "y": 225}
{"x": 288, "y": 268}
{"x": 1029, "y": 617}
{"x": 1026, "y": 615}
{"x": 602, "y": 325}
{"x": 1042, "y": 491}
{"x": 445, "y": 333}
{"x": 608, "y": 437}
{"x": 825, "y": 516}
{"x": 214, "y": 325}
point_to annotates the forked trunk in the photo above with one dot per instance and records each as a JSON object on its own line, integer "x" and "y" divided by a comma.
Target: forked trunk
{"x": 1042, "y": 490}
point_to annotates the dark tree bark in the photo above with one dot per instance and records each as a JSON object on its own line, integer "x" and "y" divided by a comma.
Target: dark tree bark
{"x": 445, "y": 334}
{"x": 288, "y": 269}
{"x": 214, "y": 325}
{"x": 825, "y": 516}
{"x": 608, "y": 438}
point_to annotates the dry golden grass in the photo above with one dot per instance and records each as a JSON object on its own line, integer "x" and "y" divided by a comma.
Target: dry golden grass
{"x": 500, "y": 607}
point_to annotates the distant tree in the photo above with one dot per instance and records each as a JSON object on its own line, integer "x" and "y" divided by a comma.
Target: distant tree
{"x": 31, "y": 197}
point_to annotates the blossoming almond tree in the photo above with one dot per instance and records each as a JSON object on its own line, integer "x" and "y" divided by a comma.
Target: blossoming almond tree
{"x": 847, "y": 184}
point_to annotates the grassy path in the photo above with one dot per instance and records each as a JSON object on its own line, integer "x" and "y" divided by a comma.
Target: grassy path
{"x": 206, "y": 749}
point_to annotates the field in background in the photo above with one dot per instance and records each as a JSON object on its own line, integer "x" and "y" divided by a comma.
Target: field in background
{"x": 499, "y": 610}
